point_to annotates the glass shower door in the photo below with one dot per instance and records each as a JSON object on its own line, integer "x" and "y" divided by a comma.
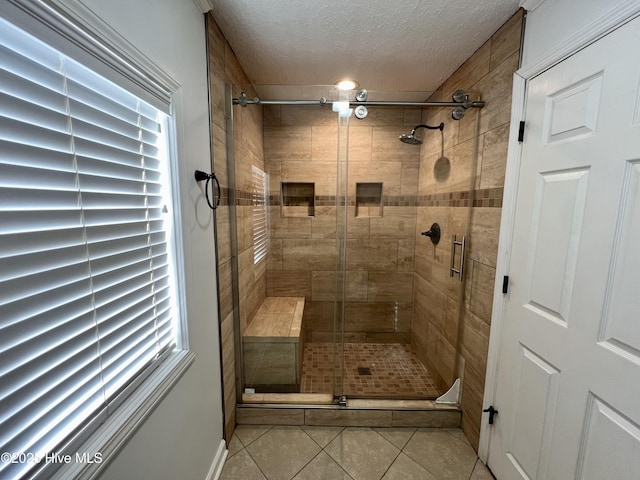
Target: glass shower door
{"x": 400, "y": 296}
{"x": 344, "y": 112}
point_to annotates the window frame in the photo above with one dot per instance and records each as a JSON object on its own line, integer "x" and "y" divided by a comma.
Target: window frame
{"x": 76, "y": 31}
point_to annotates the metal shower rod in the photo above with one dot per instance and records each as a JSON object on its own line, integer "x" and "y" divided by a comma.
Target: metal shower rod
{"x": 243, "y": 100}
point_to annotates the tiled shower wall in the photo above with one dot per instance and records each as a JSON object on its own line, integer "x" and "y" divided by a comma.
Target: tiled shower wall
{"x": 489, "y": 73}
{"x": 300, "y": 146}
{"x": 225, "y": 68}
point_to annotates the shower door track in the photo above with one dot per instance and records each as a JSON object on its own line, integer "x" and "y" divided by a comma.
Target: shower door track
{"x": 324, "y": 101}
{"x": 244, "y": 101}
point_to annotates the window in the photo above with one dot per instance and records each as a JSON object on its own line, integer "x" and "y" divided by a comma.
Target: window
{"x": 260, "y": 215}
{"x": 86, "y": 265}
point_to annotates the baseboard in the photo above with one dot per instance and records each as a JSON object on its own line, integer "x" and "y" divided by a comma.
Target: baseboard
{"x": 218, "y": 462}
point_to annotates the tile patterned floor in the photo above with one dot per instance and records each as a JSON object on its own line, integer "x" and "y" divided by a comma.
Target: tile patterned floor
{"x": 395, "y": 371}
{"x": 352, "y": 453}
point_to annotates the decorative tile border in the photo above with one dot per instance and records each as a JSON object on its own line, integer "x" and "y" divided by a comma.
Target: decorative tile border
{"x": 482, "y": 198}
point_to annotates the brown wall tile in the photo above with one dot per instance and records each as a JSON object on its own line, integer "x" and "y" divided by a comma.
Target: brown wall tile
{"x": 287, "y": 143}
{"x": 281, "y": 283}
{"x": 494, "y": 153}
{"x": 390, "y": 287}
{"x": 308, "y": 255}
{"x": 397, "y": 222}
{"x": 506, "y": 41}
{"x": 376, "y": 255}
{"x": 323, "y": 286}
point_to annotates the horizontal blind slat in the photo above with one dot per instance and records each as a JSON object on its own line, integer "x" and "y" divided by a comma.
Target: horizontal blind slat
{"x": 24, "y": 45}
{"x": 29, "y": 199}
{"x": 56, "y": 405}
{"x": 24, "y": 287}
{"x": 118, "y": 104}
{"x": 41, "y": 66}
{"x": 47, "y": 137}
{"x": 40, "y": 181}
{"x": 16, "y": 109}
{"x": 76, "y": 345}
{"x": 107, "y": 168}
{"x": 13, "y": 153}
{"x": 33, "y": 263}
{"x": 37, "y": 221}
{"x": 106, "y": 135}
{"x": 115, "y": 232}
{"x": 42, "y": 320}
{"x": 30, "y": 306}
{"x": 22, "y": 243}
{"x": 16, "y": 85}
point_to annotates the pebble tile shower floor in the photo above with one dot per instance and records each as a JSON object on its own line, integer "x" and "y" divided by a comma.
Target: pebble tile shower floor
{"x": 395, "y": 371}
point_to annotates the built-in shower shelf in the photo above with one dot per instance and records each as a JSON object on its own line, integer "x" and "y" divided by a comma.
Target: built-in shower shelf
{"x": 369, "y": 199}
{"x": 298, "y": 199}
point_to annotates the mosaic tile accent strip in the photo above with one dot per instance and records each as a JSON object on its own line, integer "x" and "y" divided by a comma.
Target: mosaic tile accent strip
{"x": 395, "y": 371}
{"x": 486, "y": 197}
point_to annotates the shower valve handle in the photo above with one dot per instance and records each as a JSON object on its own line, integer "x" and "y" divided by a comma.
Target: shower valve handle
{"x": 433, "y": 233}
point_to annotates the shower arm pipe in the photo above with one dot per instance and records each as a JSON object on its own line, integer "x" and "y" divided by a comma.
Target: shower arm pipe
{"x": 323, "y": 101}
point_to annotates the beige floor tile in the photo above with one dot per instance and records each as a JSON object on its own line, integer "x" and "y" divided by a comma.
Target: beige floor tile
{"x": 398, "y": 436}
{"x": 283, "y": 451}
{"x": 406, "y": 469}
{"x": 481, "y": 472}
{"x": 363, "y": 453}
{"x": 459, "y": 434}
{"x": 241, "y": 467}
{"x": 323, "y": 467}
{"x": 322, "y": 435}
{"x": 442, "y": 454}
{"x": 249, "y": 433}
{"x": 235, "y": 445}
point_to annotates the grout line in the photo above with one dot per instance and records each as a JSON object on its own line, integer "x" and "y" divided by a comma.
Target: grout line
{"x": 259, "y": 436}
{"x": 394, "y": 458}
{"x": 256, "y": 464}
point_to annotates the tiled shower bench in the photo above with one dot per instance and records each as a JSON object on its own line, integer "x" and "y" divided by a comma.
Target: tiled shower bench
{"x": 273, "y": 346}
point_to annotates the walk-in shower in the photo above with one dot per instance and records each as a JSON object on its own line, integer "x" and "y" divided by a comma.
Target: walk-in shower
{"x": 351, "y": 298}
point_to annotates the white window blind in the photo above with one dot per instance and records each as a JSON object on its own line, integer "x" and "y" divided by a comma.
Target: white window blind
{"x": 260, "y": 215}
{"x": 85, "y": 264}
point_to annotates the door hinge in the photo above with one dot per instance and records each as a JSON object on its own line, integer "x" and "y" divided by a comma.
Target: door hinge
{"x": 521, "y": 132}
{"x": 492, "y": 413}
{"x": 505, "y": 284}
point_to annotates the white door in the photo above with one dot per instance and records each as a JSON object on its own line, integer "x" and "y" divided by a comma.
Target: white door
{"x": 568, "y": 385}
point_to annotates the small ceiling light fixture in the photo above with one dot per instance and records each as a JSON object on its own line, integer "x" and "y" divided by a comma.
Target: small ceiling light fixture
{"x": 347, "y": 84}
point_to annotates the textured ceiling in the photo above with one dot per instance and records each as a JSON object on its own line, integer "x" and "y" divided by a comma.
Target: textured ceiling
{"x": 389, "y": 45}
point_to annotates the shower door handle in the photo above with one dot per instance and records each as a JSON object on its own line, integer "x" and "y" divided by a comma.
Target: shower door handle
{"x": 454, "y": 243}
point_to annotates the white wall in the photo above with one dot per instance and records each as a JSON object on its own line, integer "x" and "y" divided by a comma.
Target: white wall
{"x": 181, "y": 437}
{"x": 552, "y": 22}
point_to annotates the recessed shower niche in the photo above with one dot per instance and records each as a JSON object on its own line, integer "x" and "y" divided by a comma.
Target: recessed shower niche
{"x": 297, "y": 199}
{"x": 368, "y": 199}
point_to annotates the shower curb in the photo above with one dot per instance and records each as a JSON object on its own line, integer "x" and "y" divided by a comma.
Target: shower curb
{"x": 358, "y": 412}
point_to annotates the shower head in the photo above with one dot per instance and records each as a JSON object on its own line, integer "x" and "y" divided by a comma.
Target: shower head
{"x": 411, "y": 138}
